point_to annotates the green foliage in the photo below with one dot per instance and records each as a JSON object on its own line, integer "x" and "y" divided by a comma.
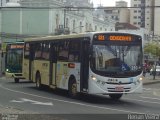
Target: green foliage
{"x": 152, "y": 48}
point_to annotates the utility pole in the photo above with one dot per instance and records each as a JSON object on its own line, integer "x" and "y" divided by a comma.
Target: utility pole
{"x": 65, "y": 11}
{"x": 1, "y": 3}
{"x": 64, "y": 18}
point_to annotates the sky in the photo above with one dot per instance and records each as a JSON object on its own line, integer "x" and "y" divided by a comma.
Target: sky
{"x": 107, "y": 2}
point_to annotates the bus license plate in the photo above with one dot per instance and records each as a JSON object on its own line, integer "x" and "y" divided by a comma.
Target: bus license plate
{"x": 119, "y": 88}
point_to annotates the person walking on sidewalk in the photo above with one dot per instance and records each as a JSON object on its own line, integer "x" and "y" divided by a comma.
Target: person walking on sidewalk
{"x": 154, "y": 71}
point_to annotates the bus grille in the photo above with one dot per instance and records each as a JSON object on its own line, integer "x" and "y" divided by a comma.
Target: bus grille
{"x": 18, "y": 74}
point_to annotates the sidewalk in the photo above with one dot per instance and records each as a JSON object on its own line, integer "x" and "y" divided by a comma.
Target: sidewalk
{"x": 149, "y": 80}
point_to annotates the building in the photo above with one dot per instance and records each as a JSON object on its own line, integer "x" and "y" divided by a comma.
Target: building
{"x": 3, "y": 2}
{"x": 156, "y": 19}
{"x": 141, "y": 15}
{"x": 118, "y": 14}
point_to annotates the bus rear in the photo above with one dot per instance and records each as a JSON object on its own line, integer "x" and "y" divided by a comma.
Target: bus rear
{"x": 116, "y": 64}
{"x": 14, "y": 57}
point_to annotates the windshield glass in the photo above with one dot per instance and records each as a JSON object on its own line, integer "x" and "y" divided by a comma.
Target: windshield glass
{"x": 117, "y": 59}
{"x": 14, "y": 60}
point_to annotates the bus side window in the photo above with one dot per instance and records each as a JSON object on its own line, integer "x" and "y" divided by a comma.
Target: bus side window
{"x": 45, "y": 53}
{"x": 38, "y": 50}
{"x": 63, "y": 51}
{"x": 74, "y": 51}
{"x": 26, "y": 50}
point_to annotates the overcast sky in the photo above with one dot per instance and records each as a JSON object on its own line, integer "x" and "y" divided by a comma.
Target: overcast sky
{"x": 107, "y": 2}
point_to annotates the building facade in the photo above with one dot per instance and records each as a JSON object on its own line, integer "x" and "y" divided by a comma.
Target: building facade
{"x": 141, "y": 15}
{"x": 156, "y": 19}
{"x": 119, "y": 14}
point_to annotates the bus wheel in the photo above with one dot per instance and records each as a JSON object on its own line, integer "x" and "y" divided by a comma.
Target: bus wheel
{"x": 73, "y": 89}
{"x": 115, "y": 96}
{"x": 38, "y": 81}
{"x": 16, "y": 80}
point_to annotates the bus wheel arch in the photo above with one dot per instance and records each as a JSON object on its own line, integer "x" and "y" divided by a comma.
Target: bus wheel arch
{"x": 72, "y": 87}
{"x": 38, "y": 79}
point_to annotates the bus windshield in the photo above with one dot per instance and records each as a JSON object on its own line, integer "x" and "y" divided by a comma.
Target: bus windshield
{"x": 119, "y": 60}
{"x": 14, "y": 60}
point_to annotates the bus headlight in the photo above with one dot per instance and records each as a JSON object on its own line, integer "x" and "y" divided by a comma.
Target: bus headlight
{"x": 140, "y": 78}
{"x": 93, "y": 78}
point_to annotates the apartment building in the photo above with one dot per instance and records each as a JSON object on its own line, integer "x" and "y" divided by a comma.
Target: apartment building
{"x": 118, "y": 14}
{"x": 142, "y": 14}
{"x": 156, "y": 19}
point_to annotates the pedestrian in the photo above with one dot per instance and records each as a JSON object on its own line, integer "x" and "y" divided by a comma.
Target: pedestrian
{"x": 154, "y": 71}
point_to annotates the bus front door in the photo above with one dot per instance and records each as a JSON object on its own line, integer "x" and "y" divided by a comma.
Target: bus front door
{"x": 84, "y": 65}
{"x": 31, "y": 63}
{"x": 53, "y": 64}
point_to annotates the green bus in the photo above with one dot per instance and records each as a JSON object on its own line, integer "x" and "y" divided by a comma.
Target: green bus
{"x": 13, "y": 61}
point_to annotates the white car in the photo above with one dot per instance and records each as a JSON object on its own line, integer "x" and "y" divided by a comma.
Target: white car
{"x": 157, "y": 70}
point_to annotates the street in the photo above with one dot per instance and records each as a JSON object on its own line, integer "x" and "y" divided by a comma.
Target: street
{"x": 25, "y": 98}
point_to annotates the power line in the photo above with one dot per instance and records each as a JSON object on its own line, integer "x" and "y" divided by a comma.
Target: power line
{"x": 16, "y": 36}
{"x": 72, "y": 7}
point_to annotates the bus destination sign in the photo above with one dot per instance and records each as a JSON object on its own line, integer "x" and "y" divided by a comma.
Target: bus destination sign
{"x": 17, "y": 46}
{"x": 120, "y": 38}
{"x": 101, "y": 37}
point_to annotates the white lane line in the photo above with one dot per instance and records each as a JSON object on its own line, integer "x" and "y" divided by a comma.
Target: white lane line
{"x": 76, "y": 103}
{"x": 156, "y": 93}
{"x": 150, "y": 98}
{"x": 22, "y": 100}
{"x": 143, "y": 101}
{"x": 147, "y": 89}
{"x": 151, "y": 89}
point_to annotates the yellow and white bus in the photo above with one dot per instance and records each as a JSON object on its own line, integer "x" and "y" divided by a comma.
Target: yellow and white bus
{"x": 106, "y": 63}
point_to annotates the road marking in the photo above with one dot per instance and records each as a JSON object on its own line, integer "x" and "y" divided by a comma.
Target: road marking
{"x": 76, "y": 103}
{"x": 147, "y": 89}
{"x": 17, "y": 101}
{"x": 32, "y": 102}
{"x": 156, "y": 94}
{"x": 150, "y": 98}
{"x": 151, "y": 89}
{"x": 142, "y": 101}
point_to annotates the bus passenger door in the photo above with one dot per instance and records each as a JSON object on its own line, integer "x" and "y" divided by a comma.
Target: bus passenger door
{"x": 53, "y": 64}
{"x": 31, "y": 63}
{"x": 84, "y": 65}
{"x": 27, "y": 61}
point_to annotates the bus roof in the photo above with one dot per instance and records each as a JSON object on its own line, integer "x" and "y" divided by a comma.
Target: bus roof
{"x": 54, "y": 37}
{"x": 59, "y": 37}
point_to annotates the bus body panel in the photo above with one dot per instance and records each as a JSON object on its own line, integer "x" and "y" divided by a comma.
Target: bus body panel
{"x": 43, "y": 68}
{"x": 25, "y": 68}
{"x": 53, "y": 75}
{"x": 14, "y": 75}
{"x": 109, "y": 85}
{"x": 58, "y": 72}
{"x": 64, "y": 73}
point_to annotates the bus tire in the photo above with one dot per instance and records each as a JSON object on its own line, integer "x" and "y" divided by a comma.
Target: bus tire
{"x": 72, "y": 89}
{"x": 115, "y": 96}
{"x": 16, "y": 80}
{"x": 38, "y": 81}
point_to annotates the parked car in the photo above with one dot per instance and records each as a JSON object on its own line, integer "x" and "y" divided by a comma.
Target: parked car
{"x": 157, "y": 70}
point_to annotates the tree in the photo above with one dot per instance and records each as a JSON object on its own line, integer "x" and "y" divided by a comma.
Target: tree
{"x": 153, "y": 49}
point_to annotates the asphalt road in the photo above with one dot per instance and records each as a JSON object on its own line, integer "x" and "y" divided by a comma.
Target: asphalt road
{"x": 24, "y": 98}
